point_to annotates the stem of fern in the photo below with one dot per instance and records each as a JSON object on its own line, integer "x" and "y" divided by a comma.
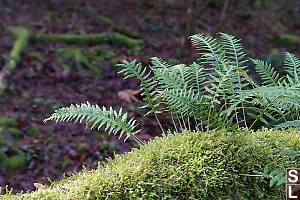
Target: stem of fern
{"x": 261, "y": 113}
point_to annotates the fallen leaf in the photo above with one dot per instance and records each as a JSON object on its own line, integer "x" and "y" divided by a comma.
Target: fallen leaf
{"x": 39, "y": 186}
{"x": 128, "y": 95}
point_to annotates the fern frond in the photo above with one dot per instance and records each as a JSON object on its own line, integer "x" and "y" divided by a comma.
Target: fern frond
{"x": 160, "y": 63}
{"x": 114, "y": 122}
{"x": 292, "y": 66}
{"x": 267, "y": 73}
{"x": 147, "y": 83}
{"x": 182, "y": 101}
{"x": 233, "y": 50}
{"x": 210, "y": 50}
{"x": 294, "y": 124}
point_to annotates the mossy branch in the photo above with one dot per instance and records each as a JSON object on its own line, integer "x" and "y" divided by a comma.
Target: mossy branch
{"x": 22, "y": 38}
{"x": 114, "y": 39}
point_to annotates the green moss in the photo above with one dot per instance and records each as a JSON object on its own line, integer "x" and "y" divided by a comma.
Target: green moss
{"x": 81, "y": 148}
{"x": 193, "y": 165}
{"x": 32, "y": 131}
{"x": 100, "y": 88}
{"x": 104, "y": 20}
{"x": 8, "y": 122}
{"x": 287, "y": 40}
{"x": 15, "y": 132}
{"x": 115, "y": 39}
{"x": 15, "y": 162}
{"x": 114, "y": 61}
{"x": 273, "y": 53}
{"x": 3, "y": 156}
{"x": 2, "y": 140}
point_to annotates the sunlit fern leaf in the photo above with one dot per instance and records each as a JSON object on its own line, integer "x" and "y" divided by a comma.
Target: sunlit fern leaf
{"x": 147, "y": 83}
{"x": 267, "y": 73}
{"x": 233, "y": 50}
{"x": 113, "y": 121}
{"x": 292, "y": 66}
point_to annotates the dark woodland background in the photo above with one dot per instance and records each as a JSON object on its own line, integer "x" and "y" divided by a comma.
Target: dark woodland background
{"x": 55, "y": 75}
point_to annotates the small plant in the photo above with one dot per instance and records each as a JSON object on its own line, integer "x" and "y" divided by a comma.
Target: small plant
{"x": 216, "y": 92}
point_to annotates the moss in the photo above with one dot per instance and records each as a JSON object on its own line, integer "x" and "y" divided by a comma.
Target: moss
{"x": 2, "y": 140}
{"x": 15, "y": 132}
{"x": 15, "y": 162}
{"x": 3, "y": 156}
{"x": 287, "y": 40}
{"x": 100, "y": 88}
{"x": 81, "y": 148}
{"x": 193, "y": 165}
{"x": 32, "y": 131}
{"x": 8, "y": 122}
{"x": 273, "y": 53}
{"x": 104, "y": 20}
{"x": 114, "y": 62}
{"x": 115, "y": 39}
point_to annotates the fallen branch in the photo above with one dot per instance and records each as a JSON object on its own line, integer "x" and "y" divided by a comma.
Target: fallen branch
{"x": 22, "y": 38}
{"x": 115, "y": 39}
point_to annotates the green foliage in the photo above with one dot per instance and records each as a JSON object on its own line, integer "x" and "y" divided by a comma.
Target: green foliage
{"x": 217, "y": 91}
{"x": 94, "y": 116}
{"x": 15, "y": 162}
{"x": 189, "y": 165}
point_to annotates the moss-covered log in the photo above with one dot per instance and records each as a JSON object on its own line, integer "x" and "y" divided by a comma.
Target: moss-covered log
{"x": 115, "y": 39}
{"x": 190, "y": 165}
{"x": 22, "y": 38}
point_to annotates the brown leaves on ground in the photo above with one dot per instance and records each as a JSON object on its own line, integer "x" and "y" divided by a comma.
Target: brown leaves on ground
{"x": 40, "y": 186}
{"x": 129, "y": 95}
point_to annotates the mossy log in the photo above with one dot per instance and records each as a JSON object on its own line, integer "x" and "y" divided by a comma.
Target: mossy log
{"x": 190, "y": 165}
{"x": 22, "y": 38}
{"x": 115, "y": 39}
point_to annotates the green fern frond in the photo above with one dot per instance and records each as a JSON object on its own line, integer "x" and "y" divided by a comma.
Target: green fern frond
{"x": 294, "y": 124}
{"x": 182, "y": 101}
{"x": 233, "y": 50}
{"x": 113, "y": 121}
{"x": 147, "y": 83}
{"x": 159, "y": 63}
{"x": 267, "y": 73}
{"x": 292, "y": 66}
{"x": 210, "y": 50}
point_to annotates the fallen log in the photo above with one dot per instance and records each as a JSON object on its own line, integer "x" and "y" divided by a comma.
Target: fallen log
{"x": 22, "y": 38}
{"x": 114, "y": 39}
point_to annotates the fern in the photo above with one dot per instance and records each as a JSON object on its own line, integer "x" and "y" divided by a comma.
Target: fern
{"x": 267, "y": 73}
{"x": 94, "y": 116}
{"x": 292, "y": 66}
{"x": 147, "y": 83}
{"x": 215, "y": 91}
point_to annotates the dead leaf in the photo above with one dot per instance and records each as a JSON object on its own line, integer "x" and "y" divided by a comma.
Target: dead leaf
{"x": 39, "y": 186}
{"x": 128, "y": 95}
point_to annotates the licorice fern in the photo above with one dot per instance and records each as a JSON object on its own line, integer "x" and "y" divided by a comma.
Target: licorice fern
{"x": 113, "y": 121}
{"x": 216, "y": 91}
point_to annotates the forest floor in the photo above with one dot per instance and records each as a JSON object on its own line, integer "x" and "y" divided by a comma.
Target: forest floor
{"x": 47, "y": 78}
